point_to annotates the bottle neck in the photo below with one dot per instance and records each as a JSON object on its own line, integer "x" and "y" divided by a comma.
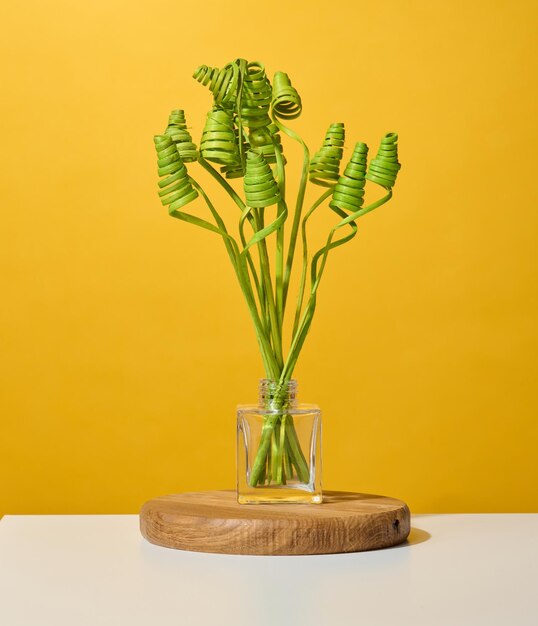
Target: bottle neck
{"x": 275, "y": 395}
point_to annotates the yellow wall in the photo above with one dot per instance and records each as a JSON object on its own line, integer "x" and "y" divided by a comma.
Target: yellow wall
{"x": 125, "y": 341}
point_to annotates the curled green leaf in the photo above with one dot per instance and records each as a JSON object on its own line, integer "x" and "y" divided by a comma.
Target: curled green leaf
{"x": 349, "y": 190}
{"x": 256, "y": 97}
{"x": 176, "y": 189}
{"x": 177, "y": 130}
{"x": 219, "y": 140}
{"x": 286, "y": 100}
{"x": 236, "y": 168}
{"x": 325, "y": 164}
{"x": 221, "y": 82}
{"x": 260, "y": 186}
{"x": 385, "y": 167}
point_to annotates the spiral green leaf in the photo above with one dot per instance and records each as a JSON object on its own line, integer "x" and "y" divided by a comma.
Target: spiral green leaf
{"x": 349, "y": 190}
{"x": 236, "y": 169}
{"x": 286, "y": 101}
{"x": 267, "y": 141}
{"x": 176, "y": 189}
{"x": 256, "y": 97}
{"x": 177, "y": 130}
{"x": 260, "y": 186}
{"x": 221, "y": 82}
{"x": 325, "y": 164}
{"x": 219, "y": 141}
{"x": 384, "y": 168}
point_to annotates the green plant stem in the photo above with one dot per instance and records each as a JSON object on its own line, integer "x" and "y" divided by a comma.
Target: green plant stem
{"x": 289, "y": 436}
{"x": 264, "y": 447}
{"x": 268, "y": 305}
{"x": 266, "y": 278}
{"x": 244, "y": 281}
{"x": 262, "y": 293}
{"x": 302, "y": 284}
{"x": 242, "y": 72}
{"x": 263, "y": 474}
{"x": 228, "y": 239}
{"x": 237, "y": 199}
{"x": 296, "y": 453}
{"x": 279, "y": 271}
{"x": 306, "y": 319}
{"x": 287, "y": 463}
{"x": 259, "y": 236}
{"x": 275, "y": 452}
{"x": 279, "y": 263}
{"x": 278, "y": 434}
{"x": 298, "y": 209}
{"x": 281, "y": 434}
{"x": 268, "y": 442}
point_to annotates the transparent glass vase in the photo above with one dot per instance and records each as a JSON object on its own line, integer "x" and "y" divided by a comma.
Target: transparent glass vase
{"x": 278, "y": 448}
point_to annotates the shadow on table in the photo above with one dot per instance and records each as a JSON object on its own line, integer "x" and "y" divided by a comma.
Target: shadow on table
{"x": 416, "y": 536}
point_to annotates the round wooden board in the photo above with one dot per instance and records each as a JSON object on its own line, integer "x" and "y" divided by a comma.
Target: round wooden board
{"x": 213, "y": 521}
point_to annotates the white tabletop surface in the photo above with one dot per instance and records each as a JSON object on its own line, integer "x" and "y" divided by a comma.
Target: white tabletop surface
{"x": 97, "y": 570}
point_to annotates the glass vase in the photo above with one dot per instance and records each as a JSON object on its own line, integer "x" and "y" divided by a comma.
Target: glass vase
{"x": 278, "y": 448}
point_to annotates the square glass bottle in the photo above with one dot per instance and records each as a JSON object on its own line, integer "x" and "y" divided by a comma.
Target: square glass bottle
{"x": 278, "y": 448}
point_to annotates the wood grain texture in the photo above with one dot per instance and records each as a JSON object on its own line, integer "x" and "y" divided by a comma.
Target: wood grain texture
{"x": 213, "y": 521}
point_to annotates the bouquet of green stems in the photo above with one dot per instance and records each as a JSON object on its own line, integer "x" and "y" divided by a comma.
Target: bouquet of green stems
{"x": 242, "y": 135}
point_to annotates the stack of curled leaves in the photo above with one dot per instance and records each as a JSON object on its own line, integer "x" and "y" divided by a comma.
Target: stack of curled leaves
{"x": 242, "y": 139}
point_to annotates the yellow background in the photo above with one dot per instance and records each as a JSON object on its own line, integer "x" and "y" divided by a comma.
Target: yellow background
{"x": 125, "y": 341}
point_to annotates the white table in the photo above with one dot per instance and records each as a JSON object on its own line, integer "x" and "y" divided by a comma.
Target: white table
{"x": 457, "y": 570}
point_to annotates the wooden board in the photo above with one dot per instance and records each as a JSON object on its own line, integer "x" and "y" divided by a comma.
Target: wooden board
{"x": 213, "y": 521}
